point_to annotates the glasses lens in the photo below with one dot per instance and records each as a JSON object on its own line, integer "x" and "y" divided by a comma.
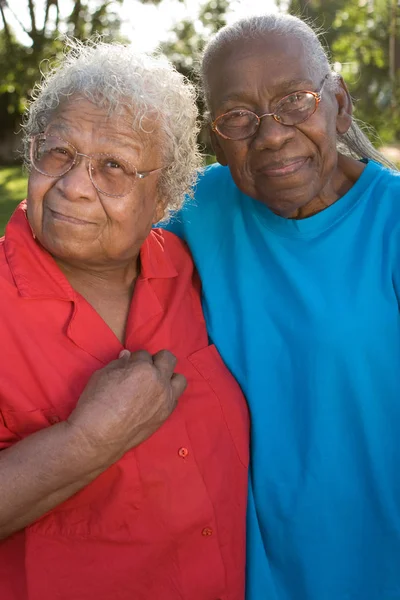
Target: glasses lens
{"x": 237, "y": 124}
{"x": 296, "y": 108}
{"x": 112, "y": 175}
{"x": 51, "y": 155}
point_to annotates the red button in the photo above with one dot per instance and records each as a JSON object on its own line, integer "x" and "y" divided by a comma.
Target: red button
{"x": 207, "y": 531}
{"x": 183, "y": 452}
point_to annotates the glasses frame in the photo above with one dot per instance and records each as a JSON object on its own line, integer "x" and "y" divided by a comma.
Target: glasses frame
{"x": 274, "y": 114}
{"x": 135, "y": 173}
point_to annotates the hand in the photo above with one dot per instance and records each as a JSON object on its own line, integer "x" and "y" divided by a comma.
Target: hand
{"x": 126, "y": 402}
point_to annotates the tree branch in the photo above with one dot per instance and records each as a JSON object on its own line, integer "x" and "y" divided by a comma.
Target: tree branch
{"x": 6, "y": 27}
{"x": 19, "y": 22}
{"x": 33, "y": 18}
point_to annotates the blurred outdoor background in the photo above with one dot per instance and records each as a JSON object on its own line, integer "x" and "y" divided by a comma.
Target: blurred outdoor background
{"x": 363, "y": 37}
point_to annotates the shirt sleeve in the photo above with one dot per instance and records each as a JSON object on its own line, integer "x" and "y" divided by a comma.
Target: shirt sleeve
{"x": 7, "y": 438}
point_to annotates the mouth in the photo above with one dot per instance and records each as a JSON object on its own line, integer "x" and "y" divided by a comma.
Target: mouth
{"x": 68, "y": 219}
{"x": 281, "y": 169}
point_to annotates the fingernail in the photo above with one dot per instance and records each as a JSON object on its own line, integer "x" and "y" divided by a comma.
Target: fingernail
{"x": 124, "y": 353}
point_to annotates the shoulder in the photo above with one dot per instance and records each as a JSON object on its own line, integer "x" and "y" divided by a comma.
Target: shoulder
{"x": 214, "y": 181}
{"x": 215, "y": 200}
{"x": 383, "y": 179}
{"x": 6, "y": 278}
{"x": 169, "y": 250}
{"x": 384, "y": 191}
{"x": 214, "y": 190}
{"x": 378, "y": 212}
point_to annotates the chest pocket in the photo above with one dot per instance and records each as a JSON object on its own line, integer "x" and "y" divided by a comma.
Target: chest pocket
{"x": 209, "y": 364}
{"x": 22, "y": 423}
{"x": 104, "y": 509}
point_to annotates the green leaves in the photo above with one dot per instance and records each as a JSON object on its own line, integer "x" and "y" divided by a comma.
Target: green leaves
{"x": 21, "y": 65}
{"x": 360, "y": 34}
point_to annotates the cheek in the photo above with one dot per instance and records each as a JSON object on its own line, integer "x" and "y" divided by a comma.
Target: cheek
{"x": 38, "y": 186}
{"x": 325, "y": 134}
{"x": 236, "y": 154}
{"x": 130, "y": 218}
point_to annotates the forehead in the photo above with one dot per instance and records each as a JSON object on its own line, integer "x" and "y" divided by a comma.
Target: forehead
{"x": 267, "y": 65}
{"x": 79, "y": 119}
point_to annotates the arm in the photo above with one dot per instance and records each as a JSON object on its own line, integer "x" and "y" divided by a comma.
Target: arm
{"x": 42, "y": 471}
{"x": 122, "y": 405}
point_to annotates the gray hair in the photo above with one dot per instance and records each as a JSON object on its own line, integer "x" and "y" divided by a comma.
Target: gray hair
{"x": 115, "y": 77}
{"x": 354, "y": 142}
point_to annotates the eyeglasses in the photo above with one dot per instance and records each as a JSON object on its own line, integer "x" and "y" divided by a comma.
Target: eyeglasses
{"x": 110, "y": 175}
{"x": 290, "y": 110}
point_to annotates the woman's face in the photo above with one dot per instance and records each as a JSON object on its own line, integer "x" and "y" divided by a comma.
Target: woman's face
{"x": 284, "y": 167}
{"x": 75, "y": 222}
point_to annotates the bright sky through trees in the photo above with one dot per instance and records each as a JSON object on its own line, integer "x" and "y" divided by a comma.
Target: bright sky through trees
{"x": 145, "y": 24}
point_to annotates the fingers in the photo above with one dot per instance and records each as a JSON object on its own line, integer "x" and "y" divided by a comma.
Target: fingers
{"x": 178, "y": 384}
{"x": 135, "y": 357}
{"x": 165, "y": 362}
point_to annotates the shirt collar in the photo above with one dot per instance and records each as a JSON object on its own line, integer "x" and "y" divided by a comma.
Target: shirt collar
{"x": 37, "y": 275}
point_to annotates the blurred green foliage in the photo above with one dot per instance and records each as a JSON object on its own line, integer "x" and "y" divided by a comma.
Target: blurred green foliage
{"x": 21, "y": 65}
{"x": 363, "y": 37}
{"x": 13, "y": 181}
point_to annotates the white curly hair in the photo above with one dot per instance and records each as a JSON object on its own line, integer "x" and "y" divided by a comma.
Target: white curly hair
{"x": 116, "y": 77}
{"x": 354, "y": 142}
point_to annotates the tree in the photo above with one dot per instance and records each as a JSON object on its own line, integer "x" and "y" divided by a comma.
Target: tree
{"x": 364, "y": 40}
{"x": 187, "y": 43}
{"x": 20, "y": 64}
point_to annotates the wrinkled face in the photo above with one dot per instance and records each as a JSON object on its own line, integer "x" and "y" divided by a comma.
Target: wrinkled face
{"x": 284, "y": 167}
{"x": 75, "y": 222}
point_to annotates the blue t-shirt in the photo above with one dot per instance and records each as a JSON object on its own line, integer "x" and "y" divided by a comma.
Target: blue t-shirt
{"x": 305, "y": 314}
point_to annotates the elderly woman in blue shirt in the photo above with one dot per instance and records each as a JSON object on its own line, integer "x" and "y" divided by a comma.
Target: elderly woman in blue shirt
{"x": 296, "y": 236}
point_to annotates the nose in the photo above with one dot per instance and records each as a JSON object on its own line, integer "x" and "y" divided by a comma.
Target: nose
{"x": 76, "y": 184}
{"x": 272, "y": 135}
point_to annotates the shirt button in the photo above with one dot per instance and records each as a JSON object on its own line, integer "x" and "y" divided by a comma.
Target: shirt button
{"x": 207, "y": 531}
{"x": 183, "y": 452}
{"x": 53, "y": 419}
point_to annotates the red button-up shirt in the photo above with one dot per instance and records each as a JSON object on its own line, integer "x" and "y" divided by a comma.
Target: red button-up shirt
{"x": 167, "y": 521}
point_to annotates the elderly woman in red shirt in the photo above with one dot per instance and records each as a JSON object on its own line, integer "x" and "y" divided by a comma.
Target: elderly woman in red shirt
{"x": 116, "y": 482}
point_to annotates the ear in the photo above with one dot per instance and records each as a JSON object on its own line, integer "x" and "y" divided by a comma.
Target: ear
{"x": 159, "y": 211}
{"x": 345, "y": 107}
{"x": 216, "y": 146}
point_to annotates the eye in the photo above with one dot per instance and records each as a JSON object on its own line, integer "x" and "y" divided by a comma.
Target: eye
{"x": 236, "y": 118}
{"x": 56, "y": 149}
{"x": 112, "y": 163}
{"x": 60, "y": 150}
{"x": 298, "y": 102}
{"x": 294, "y": 98}
{"x": 59, "y": 153}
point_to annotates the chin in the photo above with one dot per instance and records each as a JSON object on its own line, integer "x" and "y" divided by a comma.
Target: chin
{"x": 284, "y": 206}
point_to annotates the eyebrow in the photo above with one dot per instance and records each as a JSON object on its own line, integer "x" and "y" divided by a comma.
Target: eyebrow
{"x": 283, "y": 88}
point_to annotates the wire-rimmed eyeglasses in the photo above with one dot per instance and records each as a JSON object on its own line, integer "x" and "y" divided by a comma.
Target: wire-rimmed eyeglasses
{"x": 110, "y": 175}
{"x": 293, "y": 109}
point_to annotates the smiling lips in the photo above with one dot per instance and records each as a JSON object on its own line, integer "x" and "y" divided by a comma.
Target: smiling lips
{"x": 282, "y": 168}
{"x": 66, "y": 218}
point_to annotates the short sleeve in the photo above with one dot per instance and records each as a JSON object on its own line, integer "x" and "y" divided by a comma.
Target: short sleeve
{"x": 7, "y": 438}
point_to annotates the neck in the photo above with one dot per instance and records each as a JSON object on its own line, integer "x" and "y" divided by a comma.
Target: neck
{"x": 344, "y": 176}
{"x": 113, "y": 280}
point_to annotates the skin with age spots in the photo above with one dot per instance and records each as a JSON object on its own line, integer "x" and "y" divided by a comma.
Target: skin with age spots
{"x": 77, "y": 224}
{"x": 296, "y": 170}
